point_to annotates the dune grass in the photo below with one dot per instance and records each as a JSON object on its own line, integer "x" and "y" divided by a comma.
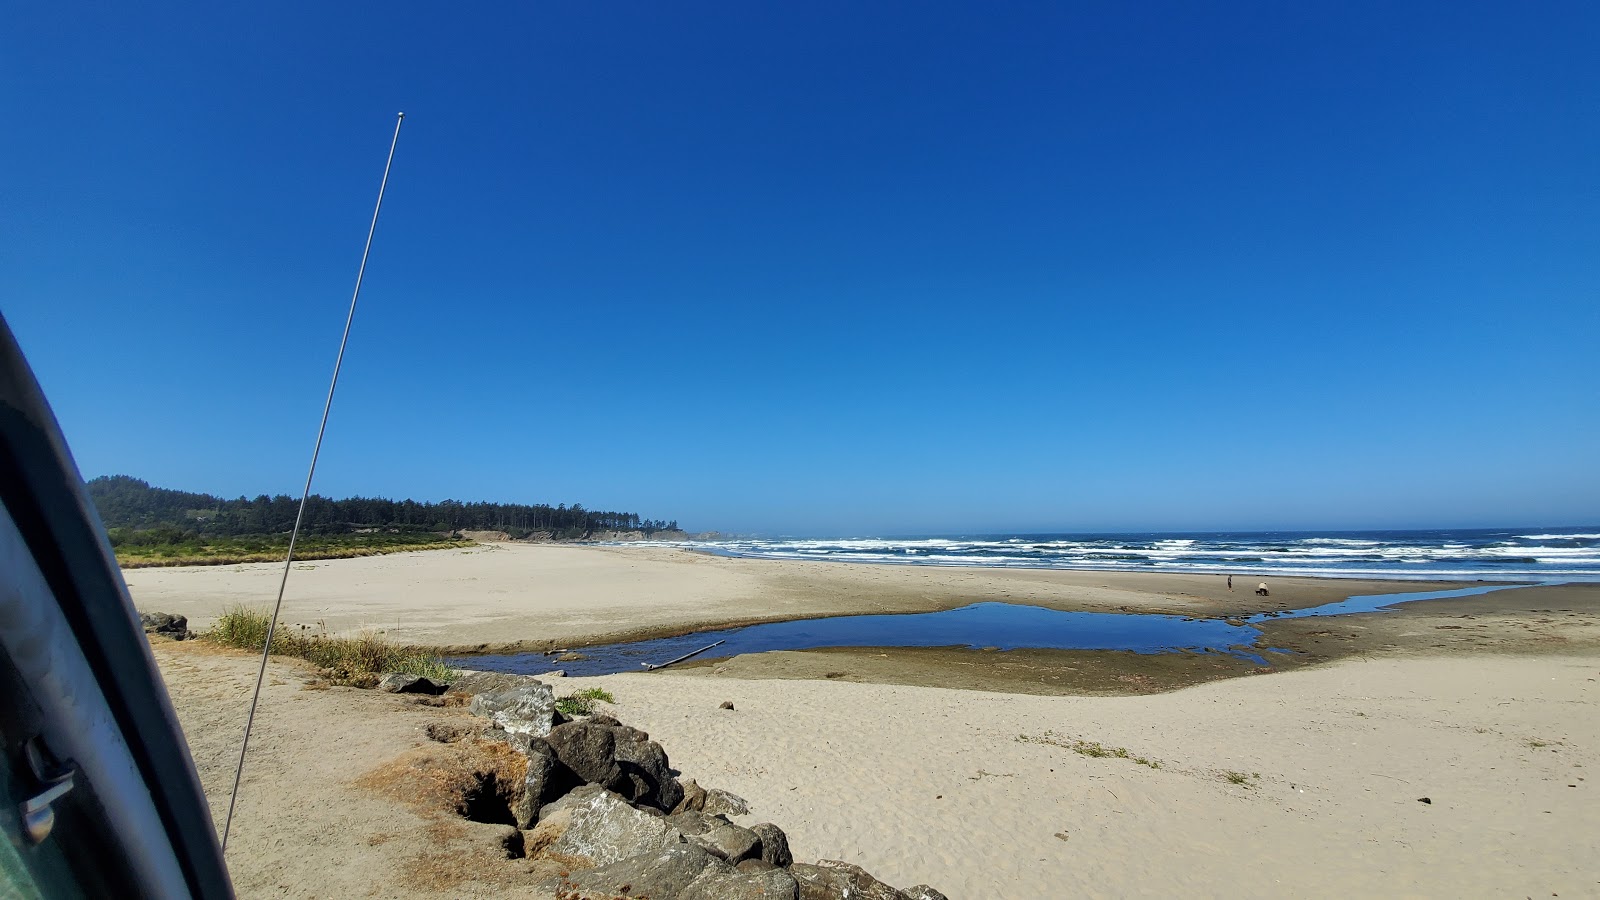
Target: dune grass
{"x": 358, "y": 660}
{"x": 226, "y": 551}
{"x": 581, "y": 703}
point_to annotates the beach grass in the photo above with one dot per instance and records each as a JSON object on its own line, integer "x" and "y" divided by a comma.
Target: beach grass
{"x": 358, "y": 660}
{"x": 581, "y": 703}
{"x": 134, "y": 552}
{"x": 1091, "y": 749}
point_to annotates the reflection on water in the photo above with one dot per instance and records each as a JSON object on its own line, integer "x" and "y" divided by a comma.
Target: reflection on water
{"x": 1004, "y": 626}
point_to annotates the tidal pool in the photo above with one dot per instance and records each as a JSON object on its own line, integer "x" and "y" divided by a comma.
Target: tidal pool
{"x": 1004, "y": 626}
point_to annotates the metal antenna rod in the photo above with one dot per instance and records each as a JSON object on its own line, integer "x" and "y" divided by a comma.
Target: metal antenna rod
{"x": 238, "y": 772}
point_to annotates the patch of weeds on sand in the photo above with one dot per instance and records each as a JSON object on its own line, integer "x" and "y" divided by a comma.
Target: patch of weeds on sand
{"x": 581, "y": 703}
{"x": 1241, "y": 778}
{"x": 1536, "y": 744}
{"x": 358, "y": 660}
{"x": 1091, "y": 749}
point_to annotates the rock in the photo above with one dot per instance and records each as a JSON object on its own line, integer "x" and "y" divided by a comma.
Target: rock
{"x": 471, "y": 683}
{"x": 726, "y": 704}
{"x": 543, "y": 783}
{"x": 774, "y": 844}
{"x": 754, "y": 865}
{"x": 720, "y": 801}
{"x": 570, "y": 656}
{"x": 831, "y": 879}
{"x": 694, "y": 797}
{"x": 402, "y": 683}
{"x": 1427, "y": 800}
{"x": 923, "y": 892}
{"x": 590, "y": 751}
{"x": 570, "y": 800}
{"x": 555, "y": 673}
{"x": 605, "y": 829}
{"x": 730, "y": 842}
{"x": 552, "y": 825}
{"x": 527, "y": 708}
{"x": 771, "y": 884}
{"x": 644, "y": 766}
{"x": 603, "y": 719}
{"x": 172, "y": 626}
{"x": 450, "y": 732}
{"x": 661, "y": 874}
{"x": 693, "y": 822}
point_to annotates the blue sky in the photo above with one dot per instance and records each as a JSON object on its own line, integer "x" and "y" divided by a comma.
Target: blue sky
{"x": 832, "y": 268}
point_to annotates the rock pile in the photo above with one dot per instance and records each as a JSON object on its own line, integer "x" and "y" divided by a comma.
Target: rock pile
{"x": 601, "y": 799}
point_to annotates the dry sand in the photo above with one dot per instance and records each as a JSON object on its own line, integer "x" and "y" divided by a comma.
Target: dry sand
{"x": 1487, "y": 707}
{"x": 980, "y": 795}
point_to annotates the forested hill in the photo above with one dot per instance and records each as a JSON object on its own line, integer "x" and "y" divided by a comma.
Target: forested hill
{"x": 129, "y": 503}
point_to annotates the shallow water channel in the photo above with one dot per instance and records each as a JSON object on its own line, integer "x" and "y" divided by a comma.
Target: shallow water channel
{"x": 1004, "y": 626}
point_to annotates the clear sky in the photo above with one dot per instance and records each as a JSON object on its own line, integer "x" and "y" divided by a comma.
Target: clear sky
{"x": 826, "y": 268}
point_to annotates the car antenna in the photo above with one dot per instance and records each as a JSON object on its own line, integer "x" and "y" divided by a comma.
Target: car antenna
{"x": 238, "y": 771}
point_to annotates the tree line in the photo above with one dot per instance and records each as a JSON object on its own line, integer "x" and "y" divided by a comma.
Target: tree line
{"x": 128, "y": 504}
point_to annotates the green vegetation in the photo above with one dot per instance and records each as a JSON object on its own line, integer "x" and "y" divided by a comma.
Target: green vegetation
{"x": 581, "y": 703}
{"x": 1241, "y": 778}
{"x": 1092, "y": 749}
{"x": 168, "y": 546}
{"x": 357, "y": 661}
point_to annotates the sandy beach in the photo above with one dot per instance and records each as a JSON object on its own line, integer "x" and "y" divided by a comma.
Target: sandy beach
{"x": 922, "y": 768}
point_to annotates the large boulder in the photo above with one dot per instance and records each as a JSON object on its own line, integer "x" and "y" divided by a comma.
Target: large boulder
{"x": 644, "y": 766}
{"x": 605, "y": 829}
{"x": 774, "y": 844}
{"x": 923, "y": 892}
{"x": 590, "y": 751}
{"x": 694, "y": 797}
{"x": 545, "y": 780}
{"x": 725, "y": 803}
{"x": 470, "y": 682}
{"x": 730, "y": 843}
{"x": 168, "y": 624}
{"x": 405, "y": 683}
{"x": 831, "y": 879}
{"x": 660, "y": 874}
{"x": 526, "y": 708}
{"x": 772, "y": 884}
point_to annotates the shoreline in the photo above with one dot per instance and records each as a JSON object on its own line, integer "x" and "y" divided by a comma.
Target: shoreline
{"x": 514, "y": 599}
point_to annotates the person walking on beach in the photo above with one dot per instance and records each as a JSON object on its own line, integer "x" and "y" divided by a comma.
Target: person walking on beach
{"x": 1230, "y": 582}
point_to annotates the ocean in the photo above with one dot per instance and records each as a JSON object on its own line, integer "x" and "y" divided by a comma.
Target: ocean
{"x": 1515, "y": 554}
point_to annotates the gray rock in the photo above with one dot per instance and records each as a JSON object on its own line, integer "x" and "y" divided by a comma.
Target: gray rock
{"x": 402, "y": 683}
{"x": 754, "y": 865}
{"x": 527, "y": 708}
{"x": 488, "y": 682}
{"x": 590, "y": 751}
{"x": 720, "y": 801}
{"x": 605, "y": 830}
{"x": 171, "y": 625}
{"x": 771, "y": 884}
{"x": 644, "y": 765}
{"x": 774, "y": 844}
{"x": 830, "y": 879}
{"x": 694, "y": 797}
{"x": 539, "y": 786}
{"x": 923, "y": 892}
{"x": 570, "y": 800}
{"x": 692, "y": 822}
{"x": 661, "y": 875}
{"x": 730, "y": 843}
{"x": 726, "y": 704}
{"x": 603, "y": 719}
